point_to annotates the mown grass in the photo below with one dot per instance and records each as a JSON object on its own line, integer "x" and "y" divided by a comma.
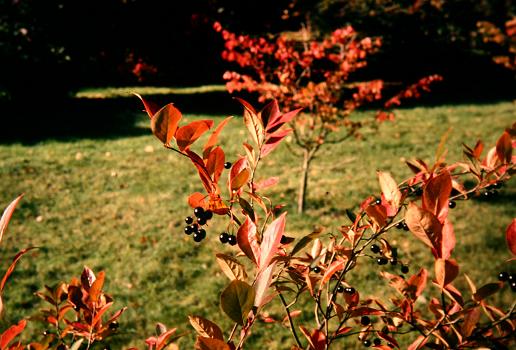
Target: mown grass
{"x": 118, "y": 204}
{"x": 115, "y": 92}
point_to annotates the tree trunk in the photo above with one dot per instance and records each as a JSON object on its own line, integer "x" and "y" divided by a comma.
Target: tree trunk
{"x": 301, "y": 196}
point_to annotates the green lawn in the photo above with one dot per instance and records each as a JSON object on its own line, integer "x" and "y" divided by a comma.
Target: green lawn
{"x": 118, "y": 204}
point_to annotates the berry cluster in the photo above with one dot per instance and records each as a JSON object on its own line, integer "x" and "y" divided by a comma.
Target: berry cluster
{"x": 383, "y": 260}
{"x": 508, "y": 277}
{"x": 227, "y": 238}
{"x": 194, "y": 226}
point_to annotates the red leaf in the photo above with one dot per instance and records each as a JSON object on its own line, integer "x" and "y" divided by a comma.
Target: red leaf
{"x": 150, "y": 107}
{"x": 271, "y": 241}
{"x": 164, "y": 123}
{"x": 188, "y": 134}
{"x": 87, "y": 278}
{"x": 446, "y": 271}
{"x": 215, "y": 164}
{"x": 271, "y": 181}
{"x": 247, "y": 240}
{"x": 276, "y": 123}
{"x": 487, "y": 290}
{"x": 263, "y": 281}
{"x": 425, "y": 226}
{"x": 471, "y": 319}
{"x": 273, "y": 141}
{"x": 418, "y": 343}
{"x": 6, "y": 216}
{"x": 236, "y": 169}
{"x": 417, "y": 283}
{"x": 9, "y": 334}
{"x": 270, "y": 112}
{"x": 12, "y": 266}
{"x": 510, "y": 236}
{"x": 436, "y": 195}
{"x": 504, "y": 148}
{"x": 448, "y": 240}
{"x": 331, "y": 270}
{"x": 212, "y": 141}
{"x": 202, "y": 171}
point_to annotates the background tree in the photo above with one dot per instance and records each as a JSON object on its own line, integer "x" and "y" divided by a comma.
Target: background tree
{"x": 318, "y": 74}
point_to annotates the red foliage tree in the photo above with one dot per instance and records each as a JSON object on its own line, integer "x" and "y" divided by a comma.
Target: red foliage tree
{"x": 301, "y": 70}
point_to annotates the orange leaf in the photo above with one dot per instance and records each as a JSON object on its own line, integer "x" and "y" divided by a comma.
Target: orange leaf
{"x": 197, "y": 199}
{"x": 504, "y": 148}
{"x": 188, "y": 134}
{"x": 204, "y": 343}
{"x": 6, "y": 216}
{"x": 164, "y": 123}
{"x": 9, "y": 334}
{"x": 445, "y": 271}
{"x": 240, "y": 179}
{"x": 331, "y": 270}
{"x": 425, "y": 226}
{"x": 212, "y": 141}
{"x": 150, "y": 107}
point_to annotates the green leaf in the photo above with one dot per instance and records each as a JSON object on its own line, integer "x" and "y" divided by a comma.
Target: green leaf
{"x": 237, "y": 300}
{"x": 305, "y": 241}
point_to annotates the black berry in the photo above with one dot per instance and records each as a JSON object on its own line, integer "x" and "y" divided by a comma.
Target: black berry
{"x": 511, "y": 277}
{"x": 113, "y": 325}
{"x": 316, "y": 269}
{"x": 193, "y": 228}
{"x": 208, "y": 214}
{"x": 377, "y": 341}
{"x": 375, "y": 248}
{"x": 197, "y": 236}
{"x": 199, "y": 212}
{"x": 382, "y": 261}
{"x": 399, "y": 225}
{"x": 378, "y": 201}
{"x": 232, "y": 240}
{"x": 404, "y": 269}
{"x": 189, "y": 220}
{"x": 284, "y": 239}
{"x": 452, "y": 204}
{"x": 188, "y": 230}
{"x": 201, "y": 220}
{"x": 340, "y": 289}
{"x": 224, "y": 237}
{"x": 366, "y": 343}
{"x": 418, "y": 191}
{"x": 394, "y": 252}
{"x": 405, "y": 227}
{"x": 227, "y": 165}
{"x": 393, "y": 261}
{"x": 365, "y": 320}
{"x": 497, "y": 185}
{"x": 503, "y": 276}
{"x": 513, "y": 286}
{"x": 349, "y": 290}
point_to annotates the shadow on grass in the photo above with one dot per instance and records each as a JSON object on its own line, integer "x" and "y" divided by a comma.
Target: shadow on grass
{"x": 30, "y": 122}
